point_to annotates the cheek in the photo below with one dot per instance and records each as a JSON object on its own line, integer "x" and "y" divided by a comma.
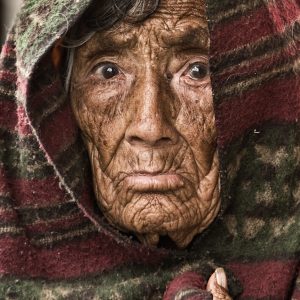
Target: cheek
{"x": 196, "y": 117}
{"x": 100, "y": 114}
{"x": 196, "y": 123}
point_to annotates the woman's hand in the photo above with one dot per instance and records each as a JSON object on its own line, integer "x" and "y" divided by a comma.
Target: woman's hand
{"x": 217, "y": 285}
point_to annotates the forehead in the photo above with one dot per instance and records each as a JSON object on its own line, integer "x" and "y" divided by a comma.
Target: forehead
{"x": 181, "y": 8}
{"x": 174, "y": 22}
{"x": 171, "y": 15}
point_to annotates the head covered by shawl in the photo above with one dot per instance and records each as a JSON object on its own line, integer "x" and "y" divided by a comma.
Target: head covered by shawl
{"x": 50, "y": 226}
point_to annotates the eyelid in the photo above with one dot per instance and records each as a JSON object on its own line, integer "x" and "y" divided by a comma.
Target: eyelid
{"x": 189, "y": 67}
{"x": 182, "y": 74}
{"x": 97, "y": 74}
{"x": 186, "y": 67}
{"x": 202, "y": 60}
{"x": 103, "y": 63}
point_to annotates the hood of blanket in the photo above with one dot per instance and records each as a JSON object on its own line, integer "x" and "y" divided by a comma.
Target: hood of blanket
{"x": 255, "y": 64}
{"x": 46, "y": 105}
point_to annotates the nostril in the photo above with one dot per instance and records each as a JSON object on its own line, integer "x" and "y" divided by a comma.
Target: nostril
{"x": 163, "y": 142}
{"x": 135, "y": 140}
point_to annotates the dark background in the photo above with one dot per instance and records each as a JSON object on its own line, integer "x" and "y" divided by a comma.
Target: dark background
{"x": 8, "y": 9}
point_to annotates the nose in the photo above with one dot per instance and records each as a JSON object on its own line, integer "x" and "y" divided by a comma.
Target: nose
{"x": 151, "y": 124}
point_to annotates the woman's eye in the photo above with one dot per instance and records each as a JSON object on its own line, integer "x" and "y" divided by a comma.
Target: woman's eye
{"x": 197, "y": 71}
{"x": 107, "y": 70}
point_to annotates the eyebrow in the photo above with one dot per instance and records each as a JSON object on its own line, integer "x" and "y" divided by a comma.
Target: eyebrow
{"x": 192, "y": 37}
{"x": 108, "y": 46}
{"x": 112, "y": 45}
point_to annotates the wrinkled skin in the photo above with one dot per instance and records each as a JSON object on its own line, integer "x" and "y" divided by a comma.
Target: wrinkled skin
{"x": 141, "y": 94}
{"x": 217, "y": 285}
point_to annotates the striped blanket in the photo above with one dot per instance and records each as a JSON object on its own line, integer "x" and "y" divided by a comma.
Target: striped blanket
{"x": 54, "y": 242}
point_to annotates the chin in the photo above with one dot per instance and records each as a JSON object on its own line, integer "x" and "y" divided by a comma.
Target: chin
{"x": 178, "y": 202}
{"x": 152, "y": 215}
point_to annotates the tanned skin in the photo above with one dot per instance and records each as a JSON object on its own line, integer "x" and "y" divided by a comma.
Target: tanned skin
{"x": 141, "y": 94}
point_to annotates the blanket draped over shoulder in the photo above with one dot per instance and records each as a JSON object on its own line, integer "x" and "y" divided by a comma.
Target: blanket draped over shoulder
{"x": 54, "y": 243}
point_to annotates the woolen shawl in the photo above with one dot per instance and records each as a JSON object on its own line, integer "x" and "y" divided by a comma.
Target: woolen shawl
{"x": 54, "y": 242}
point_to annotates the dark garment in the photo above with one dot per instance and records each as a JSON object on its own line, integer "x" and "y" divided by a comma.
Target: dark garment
{"x": 50, "y": 228}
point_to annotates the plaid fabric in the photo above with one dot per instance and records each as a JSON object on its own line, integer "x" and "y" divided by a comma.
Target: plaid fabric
{"x": 50, "y": 228}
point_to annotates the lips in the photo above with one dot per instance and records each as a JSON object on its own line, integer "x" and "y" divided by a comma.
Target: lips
{"x": 154, "y": 182}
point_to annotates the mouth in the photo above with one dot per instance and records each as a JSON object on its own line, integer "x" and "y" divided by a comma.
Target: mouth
{"x": 153, "y": 182}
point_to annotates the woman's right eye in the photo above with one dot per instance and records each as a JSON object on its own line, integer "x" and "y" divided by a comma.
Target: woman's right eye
{"x": 107, "y": 70}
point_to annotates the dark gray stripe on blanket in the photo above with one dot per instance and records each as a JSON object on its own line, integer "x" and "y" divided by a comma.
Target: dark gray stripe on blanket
{"x": 252, "y": 51}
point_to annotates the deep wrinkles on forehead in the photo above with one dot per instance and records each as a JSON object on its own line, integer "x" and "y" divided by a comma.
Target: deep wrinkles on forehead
{"x": 174, "y": 23}
{"x": 170, "y": 15}
{"x": 191, "y": 36}
{"x": 186, "y": 27}
{"x": 181, "y": 8}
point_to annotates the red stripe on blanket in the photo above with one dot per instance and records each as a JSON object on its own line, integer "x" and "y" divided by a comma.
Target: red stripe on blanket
{"x": 223, "y": 40}
{"x": 8, "y": 76}
{"x": 94, "y": 255}
{"x": 13, "y": 118}
{"x": 23, "y": 126}
{"x": 58, "y": 131}
{"x": 258, "y": 66}
{"x": 296, "y": 295}
{"x": 8, "y": 115}
{"x": 236, "y": 115}
{"x": 265, "y": 279}
{"x": 283, "y": 13}
{"x": 8, "y": 215}
{"x": 184, "y": 282}
{"x": 36, "y": 192}
{"x": 6, "y": 49}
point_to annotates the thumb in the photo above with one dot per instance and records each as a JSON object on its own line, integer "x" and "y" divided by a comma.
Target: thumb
{"x": 217, "y": 278}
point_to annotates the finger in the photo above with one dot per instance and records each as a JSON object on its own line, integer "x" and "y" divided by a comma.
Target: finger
{"x": 221, "y": 278}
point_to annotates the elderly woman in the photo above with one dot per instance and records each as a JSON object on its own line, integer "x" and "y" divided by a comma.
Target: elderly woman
{"x": 146, "y": 144}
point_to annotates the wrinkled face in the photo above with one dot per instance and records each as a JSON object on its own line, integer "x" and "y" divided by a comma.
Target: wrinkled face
{"x": 141, "y": 94}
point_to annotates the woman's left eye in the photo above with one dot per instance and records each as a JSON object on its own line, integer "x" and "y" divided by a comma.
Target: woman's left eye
{"x": 197, "y": 71}
{"x": 107, "y": 70}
